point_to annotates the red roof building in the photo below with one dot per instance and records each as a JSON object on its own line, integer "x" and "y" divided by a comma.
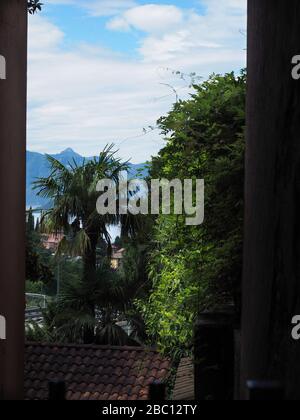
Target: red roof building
{"x": 52, "y": 241}
{"x": 117, "y": 257}
{"x": 93, "y": 372}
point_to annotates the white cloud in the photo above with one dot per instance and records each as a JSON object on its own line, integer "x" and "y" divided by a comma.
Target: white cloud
{"x": 86, "y": 97}
{"x": 43, "y": 35}
{"x": 108, "y": 7}
{"x": 148, "y": 18}
{"x": 99, "y": 7}
{"x": 236, "y": 6}
{"x": 174, "y": 34}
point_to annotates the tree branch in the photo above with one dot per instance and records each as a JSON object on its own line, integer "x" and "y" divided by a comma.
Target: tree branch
{"x": 34, "y": 6}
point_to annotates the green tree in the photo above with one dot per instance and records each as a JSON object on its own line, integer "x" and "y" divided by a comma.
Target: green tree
{"x": 198, "y": 267}
{"x": 134, "y": 273}
{"x": 111, "y": 294}
{"x": 37, "y": 226}
{"x": 30, "y": 221}
{"x": 38, "y": 259}
{"x": 73, "y": 192}
{"x": 118, "y": 242}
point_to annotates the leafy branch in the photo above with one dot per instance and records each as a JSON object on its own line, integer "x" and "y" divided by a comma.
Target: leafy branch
{"x": 34, "y": 6}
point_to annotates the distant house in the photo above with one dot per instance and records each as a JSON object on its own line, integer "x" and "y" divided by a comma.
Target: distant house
{"x": 52, "y": 241}
{"x": 117, "y": 257}
{"x": 93, "y": 372}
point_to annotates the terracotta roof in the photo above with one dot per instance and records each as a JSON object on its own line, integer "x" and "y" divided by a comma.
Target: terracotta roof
{"x": 52, "y": 241}
{"x": 184, "y": 385}
{"x": 93, "y": 372}
{"x": 118, "y": 254}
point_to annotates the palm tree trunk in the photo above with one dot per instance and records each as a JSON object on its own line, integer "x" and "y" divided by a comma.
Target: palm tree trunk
{"x": 89, "y": 259}
{"x": 89, "y": 271}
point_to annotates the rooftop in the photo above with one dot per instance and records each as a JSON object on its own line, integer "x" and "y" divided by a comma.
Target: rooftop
{"x": 118, "y": 254}
{"x": 184, "y": 385}
{"x": 93, "y": 372}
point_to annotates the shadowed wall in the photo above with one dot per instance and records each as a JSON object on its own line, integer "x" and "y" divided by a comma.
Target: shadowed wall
{"x": 13, "y": 46}
{"x": 271, "y": 283}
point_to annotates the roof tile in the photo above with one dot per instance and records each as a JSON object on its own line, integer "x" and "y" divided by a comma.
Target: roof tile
{"x": 184, "y": 384}
{"x": 93, "y": 372}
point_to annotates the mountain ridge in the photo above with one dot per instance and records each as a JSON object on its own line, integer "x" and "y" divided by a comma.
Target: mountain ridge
{"x": 38, "y": 167}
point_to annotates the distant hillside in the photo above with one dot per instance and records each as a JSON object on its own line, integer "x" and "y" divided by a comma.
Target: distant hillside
{"x": 37, "y": 167}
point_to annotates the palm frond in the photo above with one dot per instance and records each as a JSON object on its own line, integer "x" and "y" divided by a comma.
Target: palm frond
{"x": 74, "y": 246}
{"x": 111, "y": 334}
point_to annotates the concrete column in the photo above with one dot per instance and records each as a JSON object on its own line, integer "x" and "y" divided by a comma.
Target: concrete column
{"x": 13, "y": 50}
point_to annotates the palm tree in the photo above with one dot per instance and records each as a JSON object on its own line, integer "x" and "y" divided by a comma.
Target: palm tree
{"x": 112, "y": 295}
{"x": 72, "y": 190}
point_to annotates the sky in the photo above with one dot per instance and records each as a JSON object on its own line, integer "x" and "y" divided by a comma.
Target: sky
{"x": 103, "y": 71}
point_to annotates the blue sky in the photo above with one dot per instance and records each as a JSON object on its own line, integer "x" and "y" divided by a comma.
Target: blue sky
{"x": 80, "y": 26}
{"x": 99, "y": 69}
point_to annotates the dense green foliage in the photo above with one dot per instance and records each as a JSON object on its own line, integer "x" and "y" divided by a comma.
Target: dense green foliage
{"x": 198, "y": 268}
{"x": 38, "y": 259}
{"x": 108, "y": 295}
{"x": 37, "y": 287}
{"x": 112, "y": 293}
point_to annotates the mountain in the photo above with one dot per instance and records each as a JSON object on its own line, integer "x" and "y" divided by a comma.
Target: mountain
{"x": 38, "y": 167}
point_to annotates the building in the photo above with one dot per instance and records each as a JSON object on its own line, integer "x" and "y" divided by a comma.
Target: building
{"x": 117, "y": 257}
{"x": 52, "y": 241}
{"x": 93, "y": 372}
{"x": 184, "y": 388}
